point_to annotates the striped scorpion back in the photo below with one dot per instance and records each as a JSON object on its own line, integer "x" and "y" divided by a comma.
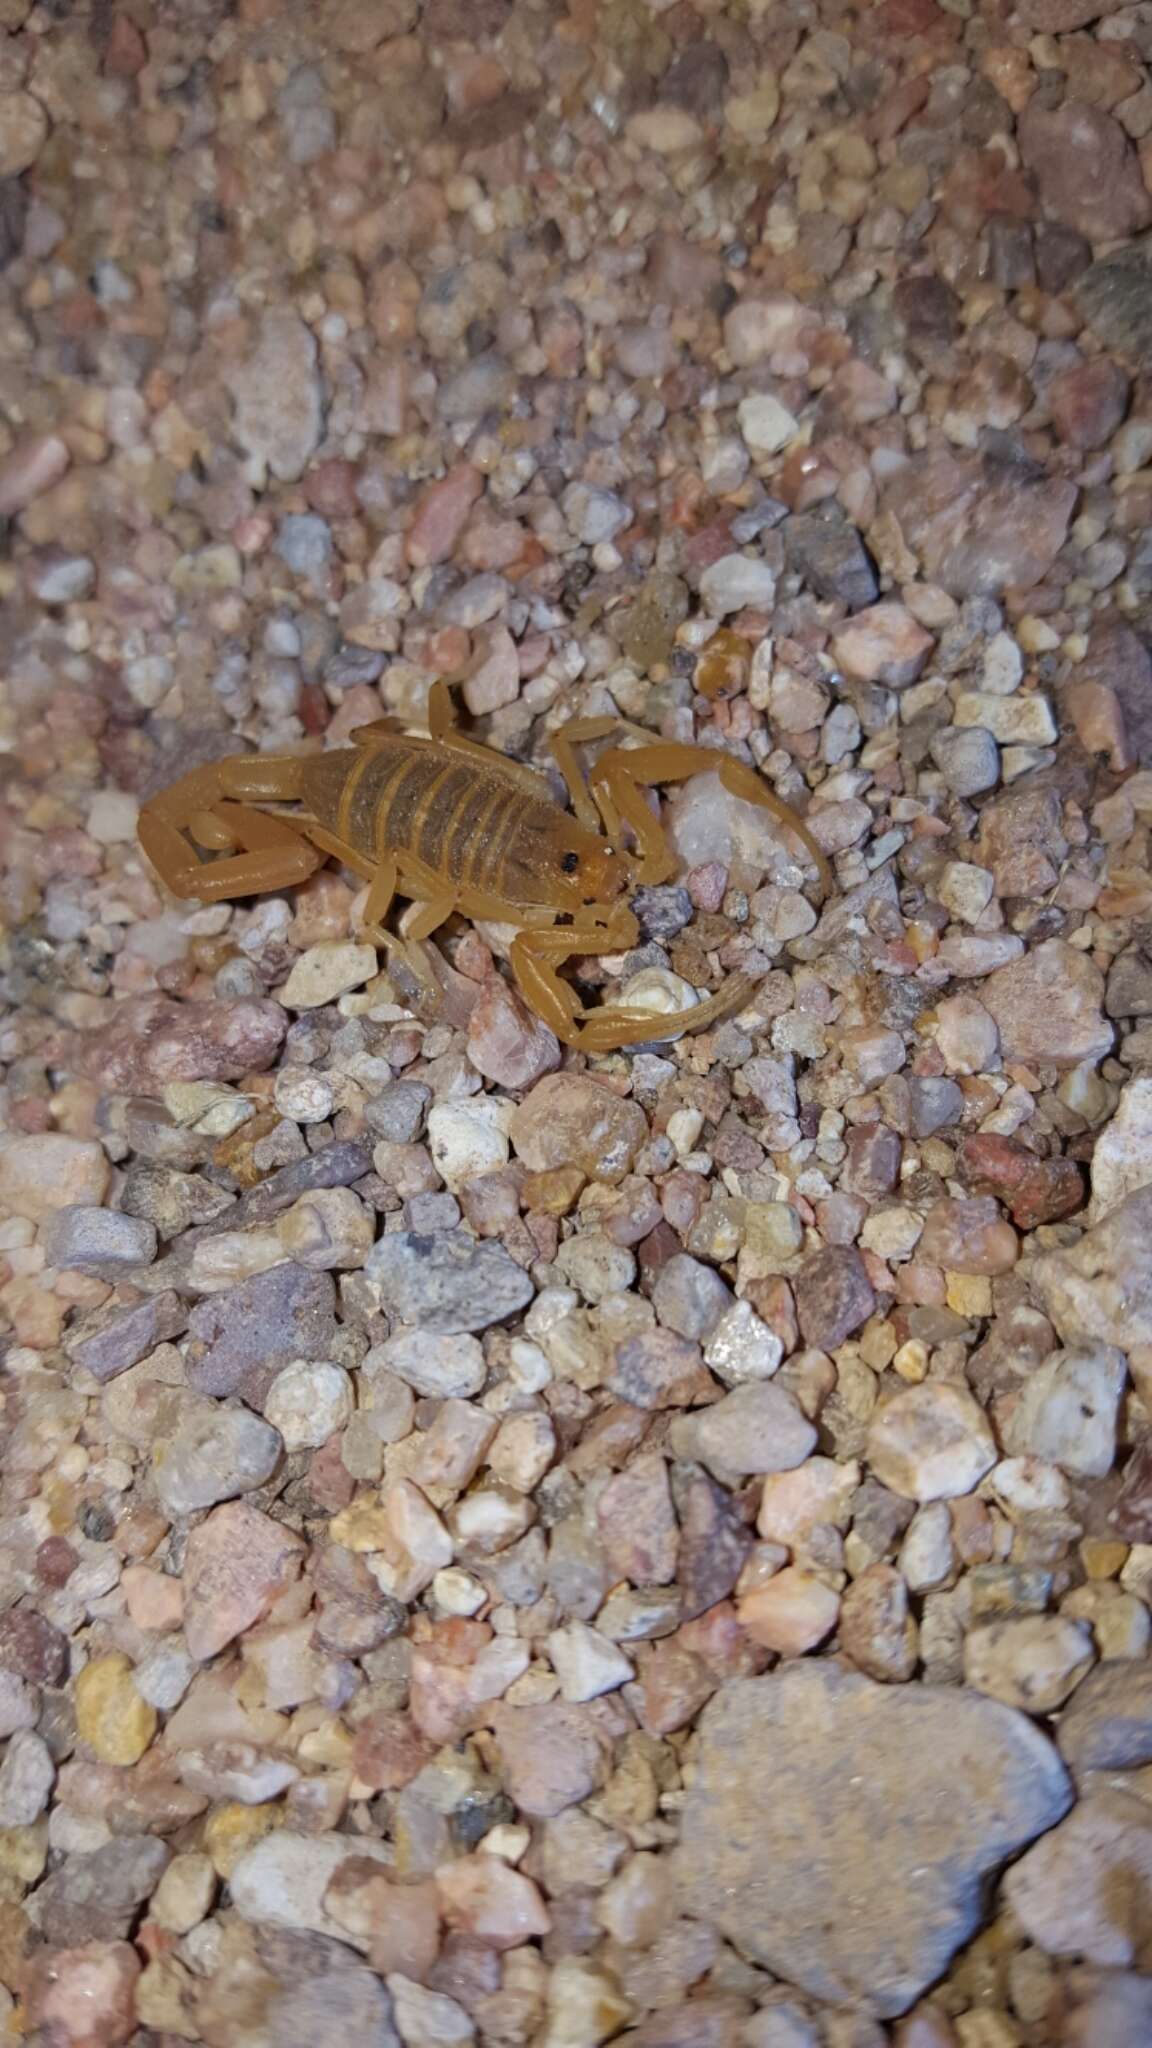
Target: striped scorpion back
{"x": 473, "y": 826}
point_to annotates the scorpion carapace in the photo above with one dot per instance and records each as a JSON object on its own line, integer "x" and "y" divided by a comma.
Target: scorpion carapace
{"x": 453, "y": 826}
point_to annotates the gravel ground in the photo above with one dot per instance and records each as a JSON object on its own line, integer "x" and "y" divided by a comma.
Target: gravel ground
{"x": 501, "y": 1545}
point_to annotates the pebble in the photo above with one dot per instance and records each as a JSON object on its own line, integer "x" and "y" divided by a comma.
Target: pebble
{"x": 113, "y": 1340}
{"x": 1047, "y": 1007}
{"x": 1100, "y": 1291}
{"x": 834, "y": 1296}
{"x": 586, "y": 1663}
{"x": 439, "y": 1366}
{"x": 690, "y": 1297}
{"x": 1107, "y": 1725}
{"x": 767, "y": 426}
{"x": 447, "y": 1282}
{"x": 549, "y": 1758}
{"x": 967, "y": 1234}
{"x": 742, "y": 1347}
{"x": 308, "y": 1402}
{"x": 41, "y": 1175}
{"x": 931, "y": 1442}
{"x": 35, "y": 464}
{"x": 792, "y": 1614}
{"x": 27, "y": 1775}
{"x": 1114, "y": 296}
{"x": 877, "y": 1630}
{"x": 492, "y": 1903}
{"x": 1064, "y": 1892}
{"x": 506, "y": 1043}
{"x": 883, "y": 644}
{"x": 442, "y": 511}
{"x": 184, "y": 1895}
{"x": 1023, "y": 721}
{"x": 657, "y": 1369}
{"x": 573, "y": 1120}
{"x": 831, "y": 556}
{"x": 111, "y": 1716}
{"x": 236, "y": 1562}
{"x": 151, "y": 1043}
{"x": 327, "y": 1229}
{"x": 1033, "y": 1663}
{"x": 467, "y": 1139}
{"x": 1120, "y": 1156}
{"x": 1088, "y": 173}
{"x": 736, "y": 583}
{"x": 303, "y": 1096}
{"x": 857, "y": 1887}
{"x": 326, "y": 971}
{"x": 281, "y": 1880}
{"x": 427, "y": 2019}
{"x": 757, "y": 1428}
{"x": 240, "y": 1338}
{"x": 98, "y": 1241}
{"x": 278, "y": 415}
{"x": 968, "y": 759}
{"x": 594, "y": 515}
{"x": 1036, "y": 1190}
{"x": 85, "y": 1997}
{"x": 1067, "y": 1412}
{"x": 215, "y": 1454}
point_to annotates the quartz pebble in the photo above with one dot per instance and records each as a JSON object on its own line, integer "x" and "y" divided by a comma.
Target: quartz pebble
{"x": 1067, "y": 1411}
{"x": 586, "y": 1663}
{"x": 308, "y": 1402}
{"x": 742, "y": 1347}
{"x": 326, "y": 971}
{"x": 1100, "y": 1291}
{"x": 931, "y": 1442}
{"x": 27, "y": 1775}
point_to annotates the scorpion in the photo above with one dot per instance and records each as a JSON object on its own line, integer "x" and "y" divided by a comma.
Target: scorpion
{"x": 454, "y": 827}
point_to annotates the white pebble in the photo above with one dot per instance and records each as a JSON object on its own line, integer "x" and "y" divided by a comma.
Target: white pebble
{"x": 308, "y": 1402}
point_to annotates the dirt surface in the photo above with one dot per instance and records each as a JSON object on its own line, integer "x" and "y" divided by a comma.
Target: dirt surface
{"x": 500, "y": 1544}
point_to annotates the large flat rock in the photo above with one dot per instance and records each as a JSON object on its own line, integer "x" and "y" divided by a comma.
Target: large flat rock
{"x": 838, "y": 1831}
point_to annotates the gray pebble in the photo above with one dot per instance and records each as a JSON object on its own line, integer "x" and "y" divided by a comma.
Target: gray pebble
{"x": 215, "y": 1454}
{"x": 968, "y": 759}
{"x": 101, "y": 1241}
{"x": 397, "y": 1113}
{"x": 447, "y": 1281}
{"x": 27, "y": 1775}
{"x": 690, "y": 1297}
{"x": 304, "y": 545}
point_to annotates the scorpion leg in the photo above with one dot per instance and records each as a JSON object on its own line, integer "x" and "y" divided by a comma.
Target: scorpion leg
{"x": 563, "y": 743}
{"x": 442, "y": 728}
{"x": 672, "y": 761}
{"x": 258, "y": 850}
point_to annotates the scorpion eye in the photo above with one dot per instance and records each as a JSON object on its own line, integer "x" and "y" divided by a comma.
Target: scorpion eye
{"x": 570, "y": 862}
